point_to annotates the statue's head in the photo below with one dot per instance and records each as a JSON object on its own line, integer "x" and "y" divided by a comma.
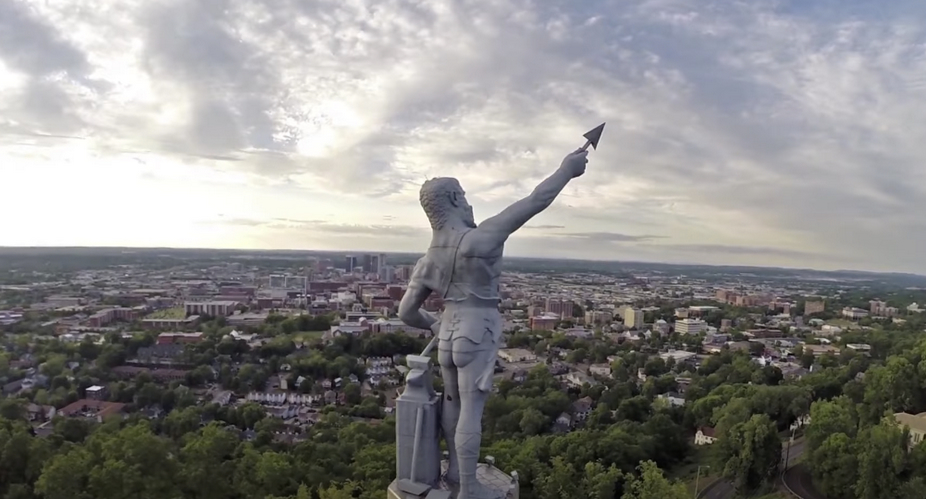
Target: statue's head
{"x": 445, "y": 202}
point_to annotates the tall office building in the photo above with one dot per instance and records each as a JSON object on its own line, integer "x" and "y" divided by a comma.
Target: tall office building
{"x": 366, "y": 261}
{"x": 350, "y": 263}
{"x": 561, "y": 308}
{"x": 633, "y": 318}
{"x": 386, "y": 273}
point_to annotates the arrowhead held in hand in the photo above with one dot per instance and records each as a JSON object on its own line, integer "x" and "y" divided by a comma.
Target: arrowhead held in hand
{"x": 594, "y": 135}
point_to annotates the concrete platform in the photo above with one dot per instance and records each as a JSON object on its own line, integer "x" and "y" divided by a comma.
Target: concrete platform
{"x": 499, "y": 484}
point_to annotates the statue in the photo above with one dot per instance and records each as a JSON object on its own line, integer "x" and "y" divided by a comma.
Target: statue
{"x": 463, "y": 266}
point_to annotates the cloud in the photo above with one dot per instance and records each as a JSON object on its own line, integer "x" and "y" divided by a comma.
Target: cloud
{"x": 727, "y": 122}
{"x": 608, "y": 237}
{"x": 319, "y": 226}
{"x": 735, "y": 250}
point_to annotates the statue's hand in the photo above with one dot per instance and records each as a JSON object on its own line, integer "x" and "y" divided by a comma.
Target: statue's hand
{"x": 574, "y": 163}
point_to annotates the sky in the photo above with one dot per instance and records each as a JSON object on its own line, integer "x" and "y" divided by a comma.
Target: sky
{"x": 773, "y": 133}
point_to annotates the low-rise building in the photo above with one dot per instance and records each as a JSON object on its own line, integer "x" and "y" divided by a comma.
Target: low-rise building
{"x": 214, "y": 308}
{"x": 690, "y": 326}
{"x": 705, "y": 436}
{"x": 178, "y": 338}
{"x": 916, "y": 423}
{"x": 543, "y": 322}
{"x": 96, "y": 410}
{"x": 516, "y": 355}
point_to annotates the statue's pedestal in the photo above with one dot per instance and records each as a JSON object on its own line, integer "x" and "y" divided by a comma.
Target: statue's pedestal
{"x": 498, "y": 484}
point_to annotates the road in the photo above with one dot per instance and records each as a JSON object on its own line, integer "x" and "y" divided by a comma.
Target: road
{"x": 720, "y": 489}
{"x": 797, "y": 480}
{"x": 723, "y": 489}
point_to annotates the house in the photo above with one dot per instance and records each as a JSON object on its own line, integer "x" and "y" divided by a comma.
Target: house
{"x": 582, "y": 408}
{"x": 800, "y": 422}
{"x": 712, "y": 348}
{"x": 705, "y": 436}
{"x": 678, "y": 355}
{"x": 576, "y": 379}
{"x": 563, "y": 423}
{"x": 579, "y": 332}
{"x": 603, "y": 370}
{"x": 793, "y": 371}
{"x": 13, "y": 387}
{"x": 519, "y": 376}
{"x": 558, "y": 368}
{"x": 916, "y": 424}
{"x": 40, "y": 413}
{"x": 674, "y": 399}
{"x": 819, "y": 350}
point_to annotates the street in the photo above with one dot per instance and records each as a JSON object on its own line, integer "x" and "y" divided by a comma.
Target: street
{"x": 799, "y": 482}
{"x": 723, "y": 489}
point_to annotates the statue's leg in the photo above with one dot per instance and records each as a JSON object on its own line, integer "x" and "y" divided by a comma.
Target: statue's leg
{"x": 472, "y": 361}
{"x": 450, "y": 407}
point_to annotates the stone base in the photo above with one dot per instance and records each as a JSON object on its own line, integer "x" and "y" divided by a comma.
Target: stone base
{"x": 500, "y": 485}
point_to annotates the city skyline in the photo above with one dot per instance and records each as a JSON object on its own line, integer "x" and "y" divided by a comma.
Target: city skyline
{"x": 775, "y": 134}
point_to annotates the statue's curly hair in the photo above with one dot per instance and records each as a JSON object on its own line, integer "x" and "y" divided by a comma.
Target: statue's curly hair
{"x": 435, "y": 198}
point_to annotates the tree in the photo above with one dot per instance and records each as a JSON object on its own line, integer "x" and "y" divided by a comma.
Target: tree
{"x": 352, "y": 394}
{"x": 652, "y": 484}
{"x": 881, "y": 460}
{"x": 560, "y": 481}
{"x": 533, "y": 422}
{"x": 750, "y": 453}
{"x": 208, "y": 463}
{"x": 829, "y": 418}
{"x": 893, "y": 387}
{"x": 600, "y": 482}
{"x": 835, "y": 466}
{"x": 337, "y": 491}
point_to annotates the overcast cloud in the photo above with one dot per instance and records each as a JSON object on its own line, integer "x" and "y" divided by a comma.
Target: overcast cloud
{"x": 768, "y": 133}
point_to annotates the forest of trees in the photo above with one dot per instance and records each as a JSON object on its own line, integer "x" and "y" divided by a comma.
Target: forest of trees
{"x": 856, "y": 448}
{"x": 627, "y": 447}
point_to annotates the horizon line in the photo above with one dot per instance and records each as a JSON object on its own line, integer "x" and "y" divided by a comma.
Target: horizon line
{"x": 571, "y": 259}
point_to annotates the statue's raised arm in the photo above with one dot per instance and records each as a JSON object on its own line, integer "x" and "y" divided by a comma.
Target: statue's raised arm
{"x": 515, "y": 216}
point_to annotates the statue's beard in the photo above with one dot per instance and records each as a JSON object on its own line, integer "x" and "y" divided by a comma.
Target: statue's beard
{"x": 469, "y": 219}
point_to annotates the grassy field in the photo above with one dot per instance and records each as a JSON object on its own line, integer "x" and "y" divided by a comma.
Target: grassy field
{"x": 308, "y": 335}
{"x": 689, "y": 468}
{"x": 168, "y": 313}
{"x": 688, "y": 471}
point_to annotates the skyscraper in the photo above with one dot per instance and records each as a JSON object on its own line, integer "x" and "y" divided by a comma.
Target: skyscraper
{"x": 350, "y": 263}
{"x": 367, "y": 263}
{"x": 386, "y": 273}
